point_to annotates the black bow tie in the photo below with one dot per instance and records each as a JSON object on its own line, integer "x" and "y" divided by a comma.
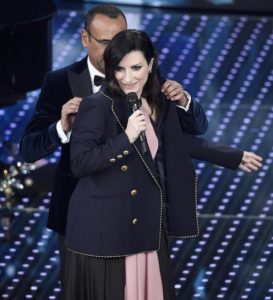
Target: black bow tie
{"x": 98, "y": 80}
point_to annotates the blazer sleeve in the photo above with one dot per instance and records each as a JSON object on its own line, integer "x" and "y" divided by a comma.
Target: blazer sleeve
{"x": 213, "y": 152}
{"x": 93, "y": 148}
{"x": 193, "y": 121}
{"x": 40, "y": 137}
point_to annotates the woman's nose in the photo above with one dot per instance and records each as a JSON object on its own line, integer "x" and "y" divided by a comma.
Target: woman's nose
{"x": 127, "y": 76}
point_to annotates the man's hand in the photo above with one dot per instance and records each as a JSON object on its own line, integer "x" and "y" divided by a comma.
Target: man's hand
{"x": 250, "y": 162}
{"x": 69, "y": 110}
{"x": 174, "y": 92}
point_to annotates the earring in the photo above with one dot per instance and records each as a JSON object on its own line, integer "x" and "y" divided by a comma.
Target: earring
{"x": 151, "y": 65}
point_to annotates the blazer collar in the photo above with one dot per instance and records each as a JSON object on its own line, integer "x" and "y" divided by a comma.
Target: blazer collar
{"x": 79, "y": 79}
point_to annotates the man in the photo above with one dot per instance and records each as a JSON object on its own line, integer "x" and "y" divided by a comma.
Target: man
{"x": 61, "y": 94}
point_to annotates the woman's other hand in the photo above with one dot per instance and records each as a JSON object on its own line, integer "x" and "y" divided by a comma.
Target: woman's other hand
{"x": 250, "y": 162}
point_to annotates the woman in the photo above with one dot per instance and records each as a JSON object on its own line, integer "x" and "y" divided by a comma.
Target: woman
{"x": 127, "y": 202}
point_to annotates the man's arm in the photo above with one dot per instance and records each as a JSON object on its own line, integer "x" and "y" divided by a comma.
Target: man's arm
{"x": 191, "y": 114}
{"x": 42, "y": 136}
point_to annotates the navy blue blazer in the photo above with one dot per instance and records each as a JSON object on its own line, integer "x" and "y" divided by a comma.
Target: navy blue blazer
{"x": 116, "y": 208}
{"x": 40, "y": 137}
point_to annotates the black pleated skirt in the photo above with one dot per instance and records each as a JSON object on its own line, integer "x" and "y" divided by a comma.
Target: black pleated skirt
{"x": 90, "y": 278}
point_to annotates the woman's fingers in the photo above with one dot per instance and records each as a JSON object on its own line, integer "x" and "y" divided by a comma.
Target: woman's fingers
{"x": 250, "y": 162}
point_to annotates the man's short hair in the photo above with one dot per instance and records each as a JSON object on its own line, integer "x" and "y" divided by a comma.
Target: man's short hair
{"x": 106, "y": 9}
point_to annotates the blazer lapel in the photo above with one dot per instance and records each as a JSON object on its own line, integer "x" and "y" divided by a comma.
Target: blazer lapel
{"x": 121, "y": 108}
{"x": 80, "y": 81}
{"x": 164, "y": 106}
{"x": 122, "y": 112}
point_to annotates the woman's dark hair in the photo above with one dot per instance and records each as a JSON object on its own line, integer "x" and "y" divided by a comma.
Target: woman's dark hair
{"x": 123, "y": 43}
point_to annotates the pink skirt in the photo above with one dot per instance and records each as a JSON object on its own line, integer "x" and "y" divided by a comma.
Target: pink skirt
{"x": 143, "y": 278}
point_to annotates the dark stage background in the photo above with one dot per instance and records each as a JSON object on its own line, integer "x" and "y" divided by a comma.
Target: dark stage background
{"x": 225, "y": 61}
{"x": 236, "y": 6}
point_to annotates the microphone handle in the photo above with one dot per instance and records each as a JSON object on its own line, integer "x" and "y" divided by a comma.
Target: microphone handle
{"x": 142, "y": 136}
{"x": 143, "y": 142}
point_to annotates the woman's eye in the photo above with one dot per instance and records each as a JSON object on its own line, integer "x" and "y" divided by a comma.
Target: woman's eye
{"x": 136, "y": 68}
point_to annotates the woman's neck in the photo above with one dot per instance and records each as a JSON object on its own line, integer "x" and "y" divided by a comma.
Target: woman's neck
{"x": 148, "y": 109}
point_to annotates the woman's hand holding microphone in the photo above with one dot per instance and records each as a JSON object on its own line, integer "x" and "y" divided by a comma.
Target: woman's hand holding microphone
{"x": 135, "y": 125}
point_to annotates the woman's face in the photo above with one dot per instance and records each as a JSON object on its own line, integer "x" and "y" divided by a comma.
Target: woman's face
{"x": 132, "y": 73}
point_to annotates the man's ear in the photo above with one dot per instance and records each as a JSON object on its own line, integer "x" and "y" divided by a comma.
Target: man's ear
{"x": 85, "y": 38}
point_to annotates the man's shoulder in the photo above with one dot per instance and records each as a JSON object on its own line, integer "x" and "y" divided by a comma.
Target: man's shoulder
{"x": 98, "y": 100}
{"x": 76, "y": 67}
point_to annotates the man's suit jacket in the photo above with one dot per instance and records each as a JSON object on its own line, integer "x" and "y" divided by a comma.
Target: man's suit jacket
{"x": 116, "y": 208}
{"x": 41, "y": 139}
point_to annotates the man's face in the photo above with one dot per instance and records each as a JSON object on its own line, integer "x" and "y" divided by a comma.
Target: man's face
{"x": 100, "y": 32}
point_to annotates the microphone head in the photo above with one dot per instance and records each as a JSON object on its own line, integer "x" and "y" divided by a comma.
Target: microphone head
{"x": 132, "y": 96}
{"x": 133, "y": 101}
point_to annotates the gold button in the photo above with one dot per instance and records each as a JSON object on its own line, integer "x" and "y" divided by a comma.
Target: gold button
{"x": 112, "y": 160}
{"x": 133, "y": 192}
{"x": 124, "y": 168}
{"x": 125, "y": 152}
{"x": 119, "y": 156}
{"x": 134, "y": 221}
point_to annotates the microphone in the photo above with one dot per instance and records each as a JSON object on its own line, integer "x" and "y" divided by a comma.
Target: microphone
{"x": 133, "y": 103}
